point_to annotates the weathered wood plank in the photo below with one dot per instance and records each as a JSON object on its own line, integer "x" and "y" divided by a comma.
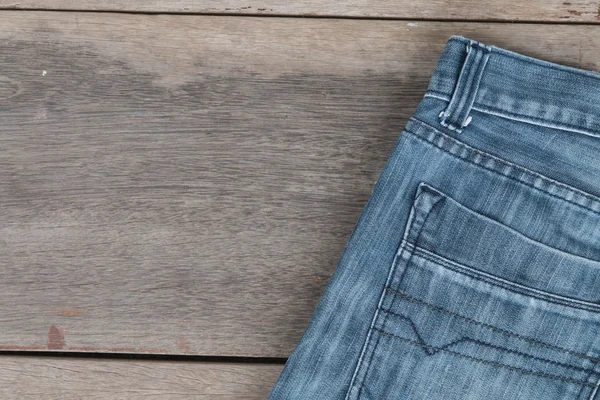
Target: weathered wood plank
{"x": 507, "y": 10}
{"x": 185, "y": 184}
{"x": 59, "y": 378}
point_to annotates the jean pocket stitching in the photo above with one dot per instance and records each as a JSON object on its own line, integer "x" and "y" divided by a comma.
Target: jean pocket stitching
{"x": 467, "y": 338}
{"x": 410, "y": 298}
{"x": 418, "y": 214}
{"x": 503, "y": 283}
{"x": 512, "y": 367}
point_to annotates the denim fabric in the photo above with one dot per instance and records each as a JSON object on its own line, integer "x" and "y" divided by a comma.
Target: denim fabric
{"x": 473, "y": 271}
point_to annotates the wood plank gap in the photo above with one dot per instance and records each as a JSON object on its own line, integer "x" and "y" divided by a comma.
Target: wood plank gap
{"x": 144, "y": 356}
{"x": 308, "y": 16}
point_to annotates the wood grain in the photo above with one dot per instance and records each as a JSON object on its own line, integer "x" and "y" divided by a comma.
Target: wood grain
{"x": 185, "y": 184}
{"x": 508, "y": 10}
{"x": 51, "y": 378}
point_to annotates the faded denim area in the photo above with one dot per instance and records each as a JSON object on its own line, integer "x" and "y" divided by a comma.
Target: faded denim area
{"x": 473, "y": 271}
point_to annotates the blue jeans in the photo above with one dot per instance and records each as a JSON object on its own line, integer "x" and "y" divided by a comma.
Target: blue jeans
{"x": 473, "y": 271}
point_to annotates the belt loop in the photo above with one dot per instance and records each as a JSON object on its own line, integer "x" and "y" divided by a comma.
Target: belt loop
{"x": 456, "y": 115}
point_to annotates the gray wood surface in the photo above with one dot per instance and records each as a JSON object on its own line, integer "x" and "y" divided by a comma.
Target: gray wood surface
{"x": 185, "y": 184}
{"x": 49, "y": 378}
{"x": 506, "y": 10}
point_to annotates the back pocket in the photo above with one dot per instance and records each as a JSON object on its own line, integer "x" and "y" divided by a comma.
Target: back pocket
{"x": 473, "y": 309}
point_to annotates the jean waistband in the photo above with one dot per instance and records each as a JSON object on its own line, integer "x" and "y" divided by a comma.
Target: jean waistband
{"x": 471, "y": 75}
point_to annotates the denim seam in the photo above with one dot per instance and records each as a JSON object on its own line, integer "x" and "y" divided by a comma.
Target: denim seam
{"x": 486, "y": 109}
{"x": 593, "y": 393}
{"x": 368, "y": 338}
{"x": 523, "y": 170}
{"x": 535, "y": 120}
{"x": 466, "y": 338}
{"x": 369, "y": 362}
{"x": 376, "y": 316}
{"x": 499, "y": 282}
{"x": 512, "y": 367}
{"x": 401, "y": 248}
{"x": 412, "y": 299}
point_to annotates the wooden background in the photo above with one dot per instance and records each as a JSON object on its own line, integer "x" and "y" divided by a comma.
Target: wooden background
{"x": 179, "y": 178}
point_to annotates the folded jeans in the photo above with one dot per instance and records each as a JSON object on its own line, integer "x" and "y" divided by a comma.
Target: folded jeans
{"x": 473, "y": 271}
